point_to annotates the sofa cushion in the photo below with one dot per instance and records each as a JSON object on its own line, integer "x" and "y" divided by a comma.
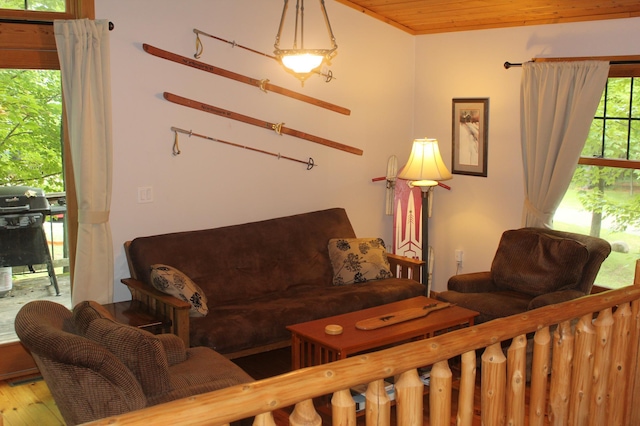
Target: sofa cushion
{"x": 261, "y": 321}
{"x": 357, "y": 260}
{"x": 251, "y": 259}
{"x": 171, "y": 281}
{"x": 139, "y": 350}
{"x": 535, "y": 264}
{"x": 85, "y": 312}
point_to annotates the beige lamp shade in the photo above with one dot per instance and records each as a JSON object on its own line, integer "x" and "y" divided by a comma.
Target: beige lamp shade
{"x": 425, "y": 166}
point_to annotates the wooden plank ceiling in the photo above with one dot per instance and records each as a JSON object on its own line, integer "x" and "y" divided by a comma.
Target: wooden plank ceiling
{"x": 440, "y": 16}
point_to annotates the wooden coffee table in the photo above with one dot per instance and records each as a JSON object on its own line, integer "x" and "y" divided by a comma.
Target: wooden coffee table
{"x": 310, "y": 345}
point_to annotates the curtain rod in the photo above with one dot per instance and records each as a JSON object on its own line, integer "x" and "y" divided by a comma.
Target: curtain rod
{"x": 508, "y": 65}
{"x": 28, "y": 21}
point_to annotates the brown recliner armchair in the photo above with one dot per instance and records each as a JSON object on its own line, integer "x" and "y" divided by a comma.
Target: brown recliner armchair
{"x": 96, "y": 367}
{"x": 533, "y": 267}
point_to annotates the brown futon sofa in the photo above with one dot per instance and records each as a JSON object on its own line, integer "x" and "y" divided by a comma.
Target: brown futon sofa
{"x": 257, "y": 278}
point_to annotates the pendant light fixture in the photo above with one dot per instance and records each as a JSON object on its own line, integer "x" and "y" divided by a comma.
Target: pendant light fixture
{"x": 300, "y": 61}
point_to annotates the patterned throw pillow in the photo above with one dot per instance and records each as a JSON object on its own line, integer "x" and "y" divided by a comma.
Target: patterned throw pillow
{"x": 171, "y": 281}
{"x": 357, "y": 260}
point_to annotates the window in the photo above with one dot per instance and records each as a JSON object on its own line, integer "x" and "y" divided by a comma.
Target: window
{"x": 41, "y": 10}
{"x": 604, "y": 196}
{"x": 30, "y": 129}
{"x": 38, "y": 5}
{"x": 27, "y": 43}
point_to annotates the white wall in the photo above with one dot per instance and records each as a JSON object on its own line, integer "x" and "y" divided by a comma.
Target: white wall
{"x": 473, "y": 215}
{"x": 398, "y": 87}
{"x": 212, "y": 185}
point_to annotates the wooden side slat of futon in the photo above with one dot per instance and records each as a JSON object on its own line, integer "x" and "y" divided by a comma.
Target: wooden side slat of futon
{"x": 405, "y": 267}
{"x": 176, "y": 310}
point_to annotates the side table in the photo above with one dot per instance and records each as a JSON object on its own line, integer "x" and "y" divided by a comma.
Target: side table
{"x": 133, "y": 313}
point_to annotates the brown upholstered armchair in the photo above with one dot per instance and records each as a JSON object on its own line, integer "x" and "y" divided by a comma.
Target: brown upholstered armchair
{"x": 96, "y": 367}
{"x": 533, "y": 267}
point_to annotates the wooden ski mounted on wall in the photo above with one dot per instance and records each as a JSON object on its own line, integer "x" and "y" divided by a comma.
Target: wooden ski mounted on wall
{"x": 263, "y": 85}
{"x": 277, "y": 127}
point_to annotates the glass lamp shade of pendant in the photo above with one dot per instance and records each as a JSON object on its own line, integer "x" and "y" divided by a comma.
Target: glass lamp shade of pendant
{"x": 425, "y": 166}
{"x": 301, "y": 62}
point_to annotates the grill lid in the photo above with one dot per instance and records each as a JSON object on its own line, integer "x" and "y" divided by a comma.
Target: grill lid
{"x": 22, "y": 199}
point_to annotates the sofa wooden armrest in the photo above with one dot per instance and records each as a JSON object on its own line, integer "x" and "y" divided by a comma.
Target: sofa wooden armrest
{"x": 405, "y": 267}
{"x": 176, "y": 310}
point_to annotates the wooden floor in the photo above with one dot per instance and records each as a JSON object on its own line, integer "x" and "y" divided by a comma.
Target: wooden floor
{"x": 27, "y": 401}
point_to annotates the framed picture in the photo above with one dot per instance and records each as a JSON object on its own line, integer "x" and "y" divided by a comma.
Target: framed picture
{"x": 470, "y": 136}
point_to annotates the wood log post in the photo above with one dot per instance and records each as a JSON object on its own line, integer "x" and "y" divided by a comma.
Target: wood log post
{"x": 343, "y": 408}
{"x": 560, "y": 386}
{"x": 440, "y": 394}
{"x": 378, "y": 405}
{"x": 516, "y": 373}
{"x": 539, "y": 376}
{"x": 494, "y": 377}
{"x": 581, "y": 377}
{"x": 305, "y": 414}
{"x": 264, "y": 419}
{"x": 409, "y": 399}
{"x": 603, "y": 325}
{"x": 618, "y": 385}
{"x": 467, "y": 389}
{"x": 632, "y": 411}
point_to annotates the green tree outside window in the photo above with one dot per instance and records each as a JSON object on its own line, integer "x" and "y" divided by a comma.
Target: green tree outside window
{"x": 30, "y": 129}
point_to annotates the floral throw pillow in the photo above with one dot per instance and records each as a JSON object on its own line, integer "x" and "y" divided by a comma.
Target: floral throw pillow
{"x": 358, "y": 260}
{"x": 171, "y": 281}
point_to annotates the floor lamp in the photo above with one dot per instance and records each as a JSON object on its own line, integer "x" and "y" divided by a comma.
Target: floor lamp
{"x": 425, "y": 169}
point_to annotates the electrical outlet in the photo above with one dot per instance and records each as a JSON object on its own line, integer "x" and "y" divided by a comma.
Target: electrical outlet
{"x": 145, "y": 194}
{"x": 459, "y": 256}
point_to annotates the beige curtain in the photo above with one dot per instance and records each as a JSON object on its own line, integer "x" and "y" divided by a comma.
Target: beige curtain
{"x": 83, "y": 50}
{"x": 558, "y": 102}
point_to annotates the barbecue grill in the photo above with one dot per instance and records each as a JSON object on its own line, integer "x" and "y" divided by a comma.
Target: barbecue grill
{"x": 22, "y": 238}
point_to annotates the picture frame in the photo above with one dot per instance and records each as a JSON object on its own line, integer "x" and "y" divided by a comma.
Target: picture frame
{"x": 470, "y": 130}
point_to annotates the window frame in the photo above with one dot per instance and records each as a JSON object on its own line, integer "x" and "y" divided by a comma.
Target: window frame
{"x": 38, "y": 15}
{"x": 619, "y": 68}
{"x": 27, "y": 40}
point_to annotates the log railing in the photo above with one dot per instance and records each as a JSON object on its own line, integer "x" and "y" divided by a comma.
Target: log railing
{"x": 584, "y": 370}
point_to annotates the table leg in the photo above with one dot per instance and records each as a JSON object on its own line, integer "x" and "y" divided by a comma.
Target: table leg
{"x": 296, "y": 351}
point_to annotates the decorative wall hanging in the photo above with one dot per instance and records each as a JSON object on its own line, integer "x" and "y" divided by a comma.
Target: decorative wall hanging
{"x": 392, "y": 171}
{"x": 263, "y": 85}
{"x": 470, "y": 136}
{"x": 277, "y": 127}
{"x": 200, "y": 49}
{"x": 176, "y": 147}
